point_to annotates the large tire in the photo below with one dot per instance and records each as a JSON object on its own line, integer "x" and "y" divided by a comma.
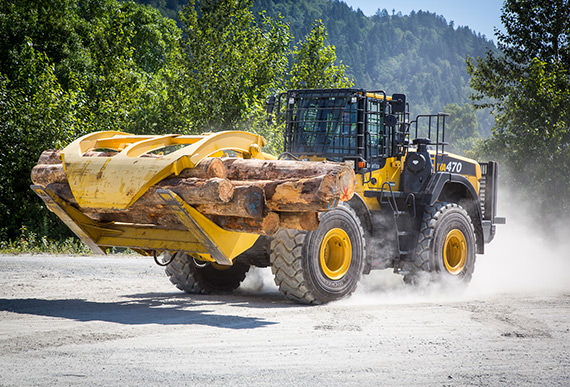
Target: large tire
{"x": 446, "y": 246}
{"x": 323, "y": 265}
{"x": 184, "y": 272}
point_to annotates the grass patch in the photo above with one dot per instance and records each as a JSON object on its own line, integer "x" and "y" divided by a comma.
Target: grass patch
{"x": 31, "y": 243}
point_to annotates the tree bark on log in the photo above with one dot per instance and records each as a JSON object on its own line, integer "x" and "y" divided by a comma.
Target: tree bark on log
{"x": 303, "y": 221}
{"x": 258, "y": 196}
{"x": 151, "y": 209}
{"x": 248, "y": 202}
{"x": 318, "y": 193}
{"x": 256, "y": 169}
{"x": 342, "y": 175}
{"x": 192, "y": 191}
{"x": 206, "y": 169}
{"x": 140, "y": 214}
{"x": 156, "y": 215}
{"x": 50, "y": 156}
{"x": 267, "y": 225}
{"x": 44, "y": 174}
{"x": 50, "y": 169}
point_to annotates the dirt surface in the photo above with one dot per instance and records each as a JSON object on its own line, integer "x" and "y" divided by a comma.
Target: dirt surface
{"x": 118, "y": 321}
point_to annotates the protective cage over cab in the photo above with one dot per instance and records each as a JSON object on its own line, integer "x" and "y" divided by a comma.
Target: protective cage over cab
{"x": 346, "y": 124}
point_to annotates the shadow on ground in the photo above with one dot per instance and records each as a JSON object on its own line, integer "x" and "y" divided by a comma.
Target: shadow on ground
{"x": 138, "y": 309}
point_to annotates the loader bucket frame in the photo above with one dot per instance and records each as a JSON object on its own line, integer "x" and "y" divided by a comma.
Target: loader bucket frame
{"x": 118, "y": 181}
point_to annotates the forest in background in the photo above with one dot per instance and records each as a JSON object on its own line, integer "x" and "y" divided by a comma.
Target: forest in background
{"x": 421, "y": 54}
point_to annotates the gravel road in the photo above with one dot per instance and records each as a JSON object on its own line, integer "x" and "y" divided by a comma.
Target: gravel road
{"x": 117, "y": 320}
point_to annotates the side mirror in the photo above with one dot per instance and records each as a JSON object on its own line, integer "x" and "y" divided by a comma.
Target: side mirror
{"x": 398, "y": 103}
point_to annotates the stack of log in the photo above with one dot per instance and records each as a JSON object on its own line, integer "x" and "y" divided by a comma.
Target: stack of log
{"x": 247, "y": 195}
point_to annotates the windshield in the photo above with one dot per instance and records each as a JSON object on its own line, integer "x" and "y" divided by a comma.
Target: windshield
{"x": 324, "y": 125}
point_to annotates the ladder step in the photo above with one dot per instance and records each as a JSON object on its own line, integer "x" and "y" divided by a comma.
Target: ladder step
{"x": 404, "y": 233}
{"x": 404, "y": 252}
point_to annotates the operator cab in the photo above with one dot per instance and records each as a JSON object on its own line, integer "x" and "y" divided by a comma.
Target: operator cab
{"x": 368, "y": 128}
{"x": 346, "y": 124}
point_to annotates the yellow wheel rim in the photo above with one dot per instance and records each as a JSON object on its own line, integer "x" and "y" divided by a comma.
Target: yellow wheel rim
{"x": 455, "y": 251}
{"x": 335, "y": 253}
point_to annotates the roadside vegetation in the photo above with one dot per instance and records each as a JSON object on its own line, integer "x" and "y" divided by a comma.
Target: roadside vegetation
{"x": 32, "y": 243}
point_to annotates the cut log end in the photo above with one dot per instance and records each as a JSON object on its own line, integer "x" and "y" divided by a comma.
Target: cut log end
{"x": 346, "y": 184}
{"x": 208, "y": 168}
{"x": 319, "y": 193}
{"x": 50, "y": 156}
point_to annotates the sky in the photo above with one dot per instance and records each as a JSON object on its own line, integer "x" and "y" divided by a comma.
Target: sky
{"x": 479, "y": 15}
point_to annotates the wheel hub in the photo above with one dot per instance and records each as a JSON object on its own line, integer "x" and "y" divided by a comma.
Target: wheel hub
{"x": 455, "y": 251}
{"x": 335, "y": 253}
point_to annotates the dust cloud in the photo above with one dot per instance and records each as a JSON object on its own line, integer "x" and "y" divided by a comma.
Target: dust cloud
{"x": 523, "y": 259}
{"x": 258, "y": 280}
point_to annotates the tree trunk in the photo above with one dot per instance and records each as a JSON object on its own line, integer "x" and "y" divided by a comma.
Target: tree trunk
{"x": 318, "y": 193}
{"x": 248, "y": 202}
{"x": 267, "y": 225}
{"x": 255, "y": 169}
{"x": 138, "y": 214}
{"x": 44, "y": 174}
{"x": 193, "y": 191}
{"x": 258, "y": 196}
{"x": 50, "y": 169}
{"x": 206, "y": 169}
{"x": 50, "y": 156}
{"x": 303, "y": 221}
{"x": 338, "y": 179}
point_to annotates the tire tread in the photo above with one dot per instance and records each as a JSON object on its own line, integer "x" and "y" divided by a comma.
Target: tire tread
{"x": 287, "y": 262}
{"x": 421, "y": 262}
{"x": 189, "y": 278}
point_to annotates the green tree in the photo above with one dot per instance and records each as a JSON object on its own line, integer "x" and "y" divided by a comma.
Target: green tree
{"x": 51, "y": 27}
{"x": 420, "y": 54}
{"x": 533, "y": 29}
{"x": 34, "y": 116}
{"x": 528, "y": 87}
{"x": 133, "y": 52}
{"x": 117, "y": 54}
{"x": 233, "y": 61}
{"x": 313, "y": 63}
{"x": 71, "y": 67}
{"x": 461, "y": 128}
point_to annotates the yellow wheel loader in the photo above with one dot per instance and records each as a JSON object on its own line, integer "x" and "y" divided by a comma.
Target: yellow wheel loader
{"x": 358, "y": 187}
